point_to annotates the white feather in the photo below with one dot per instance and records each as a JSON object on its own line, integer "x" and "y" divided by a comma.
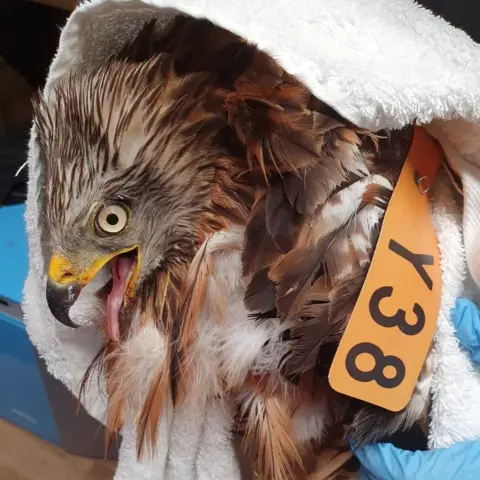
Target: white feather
{"x": 310, "y": 421}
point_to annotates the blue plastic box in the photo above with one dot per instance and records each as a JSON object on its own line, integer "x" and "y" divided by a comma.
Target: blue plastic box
{"x": 23, "y": 398}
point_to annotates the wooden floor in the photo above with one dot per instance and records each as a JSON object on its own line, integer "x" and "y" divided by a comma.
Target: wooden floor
{"x": 24, "y": 456}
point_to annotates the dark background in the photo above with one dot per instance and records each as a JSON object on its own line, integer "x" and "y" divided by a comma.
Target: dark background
{"x": 464, "y": 14}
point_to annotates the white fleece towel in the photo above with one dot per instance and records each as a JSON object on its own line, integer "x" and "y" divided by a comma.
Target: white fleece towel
{"x": 381, "y": 64}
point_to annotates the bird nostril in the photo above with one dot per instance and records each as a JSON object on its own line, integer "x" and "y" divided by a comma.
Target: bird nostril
{"x": 61, "y": 271}
{"x": 64, "y": 277}
{"x": 67, "y": 277}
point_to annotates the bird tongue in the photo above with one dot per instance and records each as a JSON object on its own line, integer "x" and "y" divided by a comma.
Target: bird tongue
{"x": 121, "y": 268}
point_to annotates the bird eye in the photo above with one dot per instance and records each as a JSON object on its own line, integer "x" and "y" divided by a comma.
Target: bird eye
{"x": 112, "y": 218}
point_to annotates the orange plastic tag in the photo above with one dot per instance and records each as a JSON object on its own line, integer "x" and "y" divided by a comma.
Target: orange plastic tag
{"x": 388, "y": 336}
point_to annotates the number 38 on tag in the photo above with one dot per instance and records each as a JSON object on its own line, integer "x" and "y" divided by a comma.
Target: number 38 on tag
{"x": 388, "y": 336}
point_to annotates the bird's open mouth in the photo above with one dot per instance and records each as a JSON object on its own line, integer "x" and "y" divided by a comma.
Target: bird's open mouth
{"x": 65, "y": 284}
{"x": 121, "y": 291}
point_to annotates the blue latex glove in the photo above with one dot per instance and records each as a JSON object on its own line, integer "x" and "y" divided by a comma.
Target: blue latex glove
{"x": 466, "y": 319}
{"x": 383, "y": 461}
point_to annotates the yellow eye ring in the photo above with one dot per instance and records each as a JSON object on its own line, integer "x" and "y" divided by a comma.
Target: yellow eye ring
{"x": 112, "y": 218}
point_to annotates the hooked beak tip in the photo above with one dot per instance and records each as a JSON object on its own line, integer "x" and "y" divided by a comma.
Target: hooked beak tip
{"x": 59, "y": 300}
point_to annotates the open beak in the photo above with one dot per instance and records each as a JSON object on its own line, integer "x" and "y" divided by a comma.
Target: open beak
{"x": 65, "y": 282}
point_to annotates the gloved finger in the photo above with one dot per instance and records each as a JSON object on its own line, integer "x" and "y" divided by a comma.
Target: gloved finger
{"x": 466, "y": 320}
{"x": 384, "y": 461}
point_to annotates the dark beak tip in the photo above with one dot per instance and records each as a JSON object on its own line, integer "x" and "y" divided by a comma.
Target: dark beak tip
{"x": 59, "y": 300}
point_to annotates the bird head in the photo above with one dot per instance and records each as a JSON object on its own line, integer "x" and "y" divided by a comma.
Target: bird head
{"x": 132, "y": 160}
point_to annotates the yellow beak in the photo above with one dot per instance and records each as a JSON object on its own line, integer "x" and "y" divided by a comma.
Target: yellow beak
{"x": 65, "y": 282}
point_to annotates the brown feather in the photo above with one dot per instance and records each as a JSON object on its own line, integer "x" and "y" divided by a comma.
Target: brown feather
{"x": 327, "y": 325}
{"x": 320, "y": 289}
{"x": 268, "y": 436}
{"x": 259, "y": 250}
{"x": 338, "y": 161}
{"x": 310, "y": 188}
{"x": 343, "y": 299}
{"x": 153, "y": 406}
{"x": 218, "y": 299}
{"x": 377, "y": 195}
{"x": 314, "y": 310}
{"x": 192, "y": 302}
{"x": 161, "y": 299}
{"x": 306, "y": 339}
{"x": 295, "y": 273}
{"x": 290, "y": 151}
{"x": 260, "y": 294}
{"x": 193, "y": 296}
{"x": 116, "y": 405}
{"x": 283, "y": 221}
{"x": 281, "y": 135}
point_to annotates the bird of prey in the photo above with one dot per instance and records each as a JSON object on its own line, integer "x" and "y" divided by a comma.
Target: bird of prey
{"x": 184, "y": 158}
